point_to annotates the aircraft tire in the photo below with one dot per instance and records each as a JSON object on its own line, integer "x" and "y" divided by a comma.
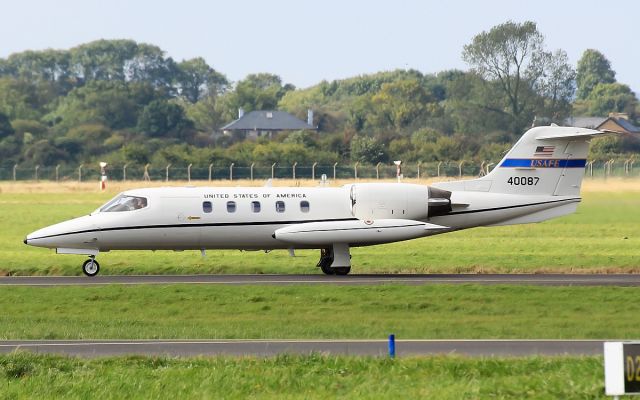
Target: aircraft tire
{"x": 91, "y": 267}
{"x": 341, "y": 270}
{"x": 325, "y": 267}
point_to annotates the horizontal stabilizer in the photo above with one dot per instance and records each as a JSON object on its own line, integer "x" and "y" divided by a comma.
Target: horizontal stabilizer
{"x": 579, "y": 133}
{"x": 355, "y": 232}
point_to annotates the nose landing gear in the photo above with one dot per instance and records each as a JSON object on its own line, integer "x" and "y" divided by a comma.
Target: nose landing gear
{"x": 91, "y": 267}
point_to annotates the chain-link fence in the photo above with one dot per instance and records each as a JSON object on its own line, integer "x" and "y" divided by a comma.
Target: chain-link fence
{"x": 442, "y": 169}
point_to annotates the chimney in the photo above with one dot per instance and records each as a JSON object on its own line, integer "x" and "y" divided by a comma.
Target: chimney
{"x": 310, "y": 117}
{"x": 240, "y": 112}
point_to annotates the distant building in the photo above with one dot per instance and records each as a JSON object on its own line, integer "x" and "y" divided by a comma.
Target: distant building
{"x": 616, "y": 122}
{"x": 256, "y": 124}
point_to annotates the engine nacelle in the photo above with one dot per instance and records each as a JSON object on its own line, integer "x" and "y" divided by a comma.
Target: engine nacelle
{"x": 373, "y": 201}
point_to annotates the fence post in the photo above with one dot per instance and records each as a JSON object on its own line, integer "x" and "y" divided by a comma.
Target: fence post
{"x": 355, "y": 170}
{"x": 251, "y": 170}
{"x": 481, "y": 173}
{"x": 378, "y": 170}
{"x": 80, "y": 172}
{"x": 460, "y": 168}
{"x": 231, "y": 171}
{"x": 611, "y": 166}
{"x": 57, "y": 174}
{"x": 419, "y": 163}
{"x": 124, "y": 172}
{"x": 189, "y": 173}
{"x": 15, "y": 167}
{"x": 439, "y": 164}
{"x": 146, "y": 176}
{"x": 166, "y": 173}
{"x": 210, "y": 168}
{"x": 631, "y": 167}
{"x": 273, "y": 170}
{"x": 487, "y": 168}
{"x": 334, "y": 171}
{"x": 313, "y": 171}
{"x": 37, "y": 168}
{"x": 294, "y": 170}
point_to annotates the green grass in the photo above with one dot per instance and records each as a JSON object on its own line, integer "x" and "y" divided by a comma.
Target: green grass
{"x": 604, "y": 235}
{"x": 24, "y": 375}
{"x": 271, "y": 312}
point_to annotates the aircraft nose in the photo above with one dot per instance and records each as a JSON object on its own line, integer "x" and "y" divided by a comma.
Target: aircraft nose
{"x": 25, "y": 241}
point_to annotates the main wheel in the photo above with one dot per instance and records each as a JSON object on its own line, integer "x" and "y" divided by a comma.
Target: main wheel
{"x": 91, "y": 267}
{"x": 325, "y": 267}
{"x": 341, "y": 270}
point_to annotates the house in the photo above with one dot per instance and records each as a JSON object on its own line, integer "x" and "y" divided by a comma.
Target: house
{"x": 256, "y": 124}
{"x": 616, "y": 122}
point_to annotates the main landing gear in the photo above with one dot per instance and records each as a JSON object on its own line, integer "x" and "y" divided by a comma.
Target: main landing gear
{"x": 335, "y": 260}
{"x": 91, "y": 267}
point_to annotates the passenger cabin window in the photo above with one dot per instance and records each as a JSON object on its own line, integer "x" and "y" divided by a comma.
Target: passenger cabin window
{"x": 255, "y": 206}
{"x": 304, "y": 206}
{"x": 207, "y": 207}
{"x": 231, "y": 206}
{"x": 124, "y": 203}
{"x": 280, "y": 206}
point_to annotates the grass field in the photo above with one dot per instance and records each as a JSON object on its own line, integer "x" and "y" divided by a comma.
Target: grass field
{"x": 300, "y": 377}
{"x": 318, "y": 312}
{"x": 603, "y": 236}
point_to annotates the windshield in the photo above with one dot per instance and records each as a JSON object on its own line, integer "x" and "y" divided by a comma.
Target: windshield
{"x": 124, "y": 203}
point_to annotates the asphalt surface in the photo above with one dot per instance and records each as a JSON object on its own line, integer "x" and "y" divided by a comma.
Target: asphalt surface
{"x": 418, "y": 279}
{"x": 474, "y": 348}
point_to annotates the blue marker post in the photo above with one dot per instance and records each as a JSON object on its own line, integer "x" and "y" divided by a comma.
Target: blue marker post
{"x": 392, "y": 345}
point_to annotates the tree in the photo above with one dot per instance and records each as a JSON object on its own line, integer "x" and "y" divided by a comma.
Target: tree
{"x": 593, "y": 68}
{"x": 611, "y": 97}
{"x": 260, "y": 92}
{"x": 5, "y": 126}
{"x": 197, "y": 79}
{"x": 162, "y": 118}
{"x": 557, "y": 86}
{"x": 513, "y": 55}
{"x": 400, "y": 103}
{"x": 367, "y": 150}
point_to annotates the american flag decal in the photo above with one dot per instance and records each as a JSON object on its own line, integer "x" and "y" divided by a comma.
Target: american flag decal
{"x": 544, "y": 151}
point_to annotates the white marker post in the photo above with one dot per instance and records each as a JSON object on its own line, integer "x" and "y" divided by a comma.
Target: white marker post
{"x": 621, "y": 368}
{"x": 398, "y": 170}
{"x": 103, "y": 176}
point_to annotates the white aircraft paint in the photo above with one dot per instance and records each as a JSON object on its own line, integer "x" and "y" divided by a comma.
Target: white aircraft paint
{"x": 538, "y": 179}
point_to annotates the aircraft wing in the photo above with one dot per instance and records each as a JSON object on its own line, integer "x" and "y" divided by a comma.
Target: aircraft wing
{"x": 356, "y": 231}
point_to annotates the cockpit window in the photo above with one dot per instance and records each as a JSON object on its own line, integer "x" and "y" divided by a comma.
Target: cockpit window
{"x": 124, "y": 203}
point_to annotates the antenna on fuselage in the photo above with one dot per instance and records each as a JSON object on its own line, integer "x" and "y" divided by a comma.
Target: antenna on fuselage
{"x": 268, "y": 183}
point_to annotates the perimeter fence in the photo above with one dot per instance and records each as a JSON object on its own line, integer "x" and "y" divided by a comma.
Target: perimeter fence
{"x": 170, "y": 172}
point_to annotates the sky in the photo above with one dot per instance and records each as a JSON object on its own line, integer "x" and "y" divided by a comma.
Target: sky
{"x": 305, "y": 42}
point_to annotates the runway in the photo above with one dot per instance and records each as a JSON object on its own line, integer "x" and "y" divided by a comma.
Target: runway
{"x": 473, "y": 348}
{"x": 355, "y": 279}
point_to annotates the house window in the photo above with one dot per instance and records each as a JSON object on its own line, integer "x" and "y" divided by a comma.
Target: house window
{"x": 231, "y": 206}
{"x": 304, "y": 206}
{"x": 280, "y": 206}
{"x": 207, "y": 207}
{"x": 269, "y": 115}
{"x": 255, "y": 206}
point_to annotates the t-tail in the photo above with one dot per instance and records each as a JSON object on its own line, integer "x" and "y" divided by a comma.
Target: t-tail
{"x": 547, "y": 160}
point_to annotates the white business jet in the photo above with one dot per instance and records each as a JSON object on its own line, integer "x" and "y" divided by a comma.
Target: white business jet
{"x": 538, "y": 179}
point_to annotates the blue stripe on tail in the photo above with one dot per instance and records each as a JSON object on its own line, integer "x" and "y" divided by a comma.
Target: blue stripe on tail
{"x": 542, "y": 163}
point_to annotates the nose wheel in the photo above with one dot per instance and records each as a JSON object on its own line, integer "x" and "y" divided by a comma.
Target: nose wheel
{"x": 91, "y": 267}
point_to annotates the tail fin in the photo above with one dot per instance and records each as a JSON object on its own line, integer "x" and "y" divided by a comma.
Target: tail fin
{"x": 547, "y": 160}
